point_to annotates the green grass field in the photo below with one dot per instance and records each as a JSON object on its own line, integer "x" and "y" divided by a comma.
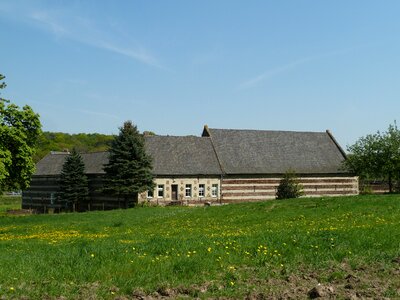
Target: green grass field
{"x": 270, "y": 249}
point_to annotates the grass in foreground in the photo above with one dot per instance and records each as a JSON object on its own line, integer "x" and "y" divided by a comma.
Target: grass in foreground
{"x": 270, "y": 248}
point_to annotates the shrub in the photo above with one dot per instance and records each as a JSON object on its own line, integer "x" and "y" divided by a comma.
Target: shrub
{"x": 289, "y": 187}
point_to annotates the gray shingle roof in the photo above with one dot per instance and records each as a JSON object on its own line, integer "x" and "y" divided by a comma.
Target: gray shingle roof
{"x": 182, "y": 155}
{"x": 172, "y": 155}
{"x": 237, "y": 151}
{"x": 274, "y": 152}
{"x": 52, "y": 163}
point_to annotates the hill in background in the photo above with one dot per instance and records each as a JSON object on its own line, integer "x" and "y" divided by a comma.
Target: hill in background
{"x": 83, "y": 142}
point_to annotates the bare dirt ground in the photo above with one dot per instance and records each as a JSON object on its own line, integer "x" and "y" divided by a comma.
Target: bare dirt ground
{"x": 342, "y": 282}
{"x": 19, "y": 212}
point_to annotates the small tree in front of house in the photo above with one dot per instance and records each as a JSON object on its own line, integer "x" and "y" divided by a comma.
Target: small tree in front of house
{"x": 74, "y": 190}
{"x": 289, "y": 187}
{"x": 128, "y": 171}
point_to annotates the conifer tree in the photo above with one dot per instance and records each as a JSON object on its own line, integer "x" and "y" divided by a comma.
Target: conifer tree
{"x": 289, "y": 187}
{"x": 128, "y": 171}
{"x": 74, "y": 190}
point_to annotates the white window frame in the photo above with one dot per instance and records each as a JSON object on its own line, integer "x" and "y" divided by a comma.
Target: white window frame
{"x": 202, "y": 190}
{"x": 150, "y": 194}
{"x": 214, "y": 190}
{"x": 160, "y": 188}
{"x": 188, "y": 188}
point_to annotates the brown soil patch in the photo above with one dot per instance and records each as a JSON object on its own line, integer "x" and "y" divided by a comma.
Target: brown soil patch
{"x": 339, "y": 282}
{"x": 20, "y": 212}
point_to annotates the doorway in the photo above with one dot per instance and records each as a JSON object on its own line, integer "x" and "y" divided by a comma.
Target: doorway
{"x": 174, "y": 192}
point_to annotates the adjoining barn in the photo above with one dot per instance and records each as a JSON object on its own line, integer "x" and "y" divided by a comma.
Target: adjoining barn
{"x": 221, "y": 166}
{"x": 253, "y": 162}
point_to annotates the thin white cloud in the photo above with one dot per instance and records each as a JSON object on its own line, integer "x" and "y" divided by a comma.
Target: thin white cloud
{"x": 139, "y": 54}
{"x": 255, "y": 81}
{"x": 67, "y": 24}
{"x": 46, "y": 20}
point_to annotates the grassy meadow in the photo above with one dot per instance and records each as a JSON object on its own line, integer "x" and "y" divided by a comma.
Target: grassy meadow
{"x": 279, "y": 248}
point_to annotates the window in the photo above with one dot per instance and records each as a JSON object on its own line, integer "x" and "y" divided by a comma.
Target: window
{"x": 214, "y": 190}
{"x": 150, "y": 194}
{"x": 202, "y": 189}
{"x": 160, "y": 191}
{"x": 188, "y": 190}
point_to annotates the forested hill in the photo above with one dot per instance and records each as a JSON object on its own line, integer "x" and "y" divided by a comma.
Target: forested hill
{"x": 58, "y": 141}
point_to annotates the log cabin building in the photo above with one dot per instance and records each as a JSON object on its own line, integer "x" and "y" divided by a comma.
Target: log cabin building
{"x": 220, "y": 166}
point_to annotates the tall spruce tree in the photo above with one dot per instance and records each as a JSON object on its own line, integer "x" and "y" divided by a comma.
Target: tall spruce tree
{"x": 74, "y": 190}
{"x": 128, "y": 171}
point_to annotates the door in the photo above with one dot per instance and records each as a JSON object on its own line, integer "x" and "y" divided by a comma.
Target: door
{"x": 174, "y": 192}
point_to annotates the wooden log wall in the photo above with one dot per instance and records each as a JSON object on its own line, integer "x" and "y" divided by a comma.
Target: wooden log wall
{"x": 42, "y": 196}
{"x": 258, "y": 189}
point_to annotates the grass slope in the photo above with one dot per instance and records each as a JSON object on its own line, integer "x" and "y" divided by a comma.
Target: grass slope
{"x": 264, "y": 249}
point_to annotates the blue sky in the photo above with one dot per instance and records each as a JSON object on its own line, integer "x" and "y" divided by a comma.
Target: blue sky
{"x": 173, "y": 66}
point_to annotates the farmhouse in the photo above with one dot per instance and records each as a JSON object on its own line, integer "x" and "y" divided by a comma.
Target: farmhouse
{"x": 220, "y": 166}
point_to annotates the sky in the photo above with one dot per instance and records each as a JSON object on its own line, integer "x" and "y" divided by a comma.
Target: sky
{"x": 173, "y": 66}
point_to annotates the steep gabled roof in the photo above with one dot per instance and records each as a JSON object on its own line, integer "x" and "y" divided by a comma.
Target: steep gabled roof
{"x": 275, "y": 152}
{"x": 172, "y": 155}
{"x": 52, "y": 163}
{"x": 226, "y": 151}
{"x": 182, "y": 155}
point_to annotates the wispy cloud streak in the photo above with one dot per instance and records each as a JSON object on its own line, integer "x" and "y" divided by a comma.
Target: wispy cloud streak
{"x": 67, "y": 24}
{"x": 255, "y": 81}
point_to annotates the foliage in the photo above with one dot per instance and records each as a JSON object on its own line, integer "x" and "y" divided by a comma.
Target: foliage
{"x": 224, "y": 250}
{"x": 376, "y": 156}
{"x": 128, "y": 171}
{"x": 19, "y": 132}
{"x": 84, "y": 143}
{"x": 74, "y": 190}
{"x": 289, "y": 187}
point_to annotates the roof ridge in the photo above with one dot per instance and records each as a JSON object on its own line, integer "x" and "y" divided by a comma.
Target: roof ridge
{"x": 266, "y": 130}
{"x": 336, "y": 143}
{"x": 172, "y": 136}
{"x": 207, "y": 130}
{"x": 105, "y": 151}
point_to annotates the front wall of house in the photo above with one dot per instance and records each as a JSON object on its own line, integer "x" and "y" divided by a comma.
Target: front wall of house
{"x": 43, "y": 195}
{"x": 184, "y": 190}
{"x": 257, "y": 188}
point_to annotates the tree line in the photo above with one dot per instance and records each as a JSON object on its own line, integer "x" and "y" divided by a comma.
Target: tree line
{"x": 82, "y": 142}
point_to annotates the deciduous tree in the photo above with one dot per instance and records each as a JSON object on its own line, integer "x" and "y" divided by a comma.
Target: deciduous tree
{"x": 376, "y": 156}
{"x": 19, "y": 132}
